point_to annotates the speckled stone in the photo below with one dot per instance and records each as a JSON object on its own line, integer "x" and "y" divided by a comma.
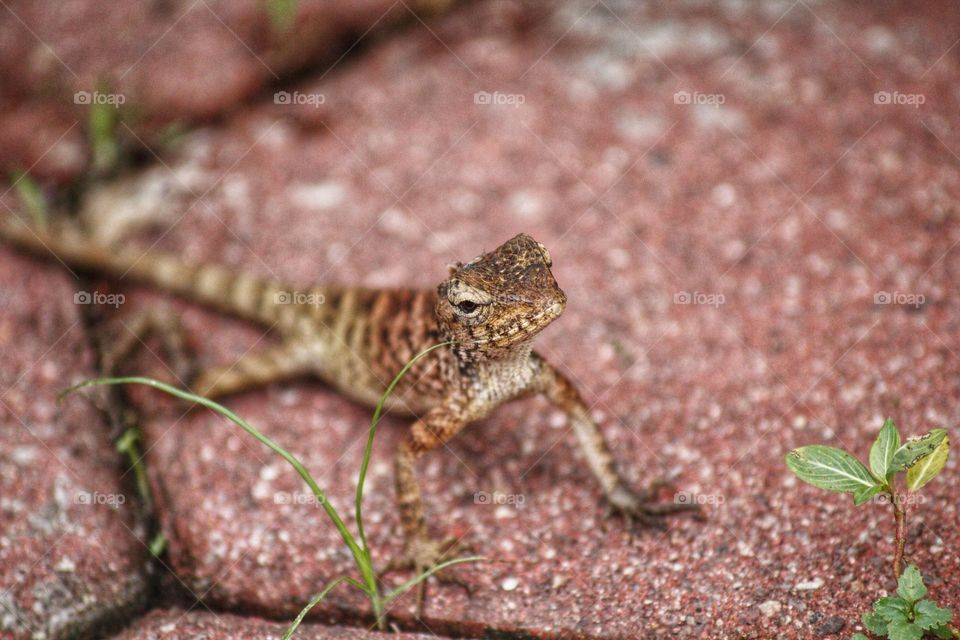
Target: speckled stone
{"x": 71, "y": 558}
{"x": 715, "y": 321}
{"x": 744, "y": 225}
{"x": 160, "y": 62}
{"x": 177, "y": 624}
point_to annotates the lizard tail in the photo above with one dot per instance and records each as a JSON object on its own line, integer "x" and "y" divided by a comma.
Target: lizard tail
{"x": 231, "y": 290}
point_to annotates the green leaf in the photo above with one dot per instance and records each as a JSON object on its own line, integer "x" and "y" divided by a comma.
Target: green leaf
{"x": 943, "y": 632}
{"x": 915, "y": 449}
{"x": 930, "y": 616}
{"x": 928, "y": 467}
{"x": 859, "y": 636}
{"x": 414, "y": 581}
{"x": 910, "y": 586}
{"x": 829, "y": 468}
{"x": 881, "y": 453}
{"x": 904, "y": 631}
{"x": 863, "y": 495}
{"x": 875, "y": 623}
{"x": 892, "y": 609}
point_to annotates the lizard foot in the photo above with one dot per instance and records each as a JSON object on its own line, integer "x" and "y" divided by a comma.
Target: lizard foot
{"x": 643, "y": 508}
{"x": 421, "y": 555}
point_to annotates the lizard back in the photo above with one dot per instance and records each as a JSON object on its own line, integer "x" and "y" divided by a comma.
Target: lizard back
{"x": 356, "y": 339}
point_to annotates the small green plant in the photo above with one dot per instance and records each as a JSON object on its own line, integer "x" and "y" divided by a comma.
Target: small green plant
{"x": 128, "y": 444}
{"x": 907, "y": 616}
{"x": 368, "y": 581}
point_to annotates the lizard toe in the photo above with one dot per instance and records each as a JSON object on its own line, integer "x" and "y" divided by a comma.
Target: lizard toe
{"x": 642, "y": 508}
{"x": 422, "y": 555}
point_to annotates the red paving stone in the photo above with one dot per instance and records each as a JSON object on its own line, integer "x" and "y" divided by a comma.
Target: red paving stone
{"x": 70, "y": 554}
{"x": 167, "y": 61}
{"x": 174, "y": 624}
{"x": 733, "y": 156}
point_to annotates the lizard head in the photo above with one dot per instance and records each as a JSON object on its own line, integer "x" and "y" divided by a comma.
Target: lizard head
{"x": 499, "y": 300}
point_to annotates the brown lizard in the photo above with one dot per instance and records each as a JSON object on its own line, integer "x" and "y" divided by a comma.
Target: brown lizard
{"x": 355, "y": 339}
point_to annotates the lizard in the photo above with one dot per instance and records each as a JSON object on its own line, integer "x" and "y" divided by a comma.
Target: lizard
{"x": 489, "y": 310}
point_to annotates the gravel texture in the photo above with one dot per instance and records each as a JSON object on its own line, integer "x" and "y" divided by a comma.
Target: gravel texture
{"x": 70, "y": 549}
{"x": 158, "y": 63}
{"x": 174, "y": 624}
{"x": 759, "y": 252}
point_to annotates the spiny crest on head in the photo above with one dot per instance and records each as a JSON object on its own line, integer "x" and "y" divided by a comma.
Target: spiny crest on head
{"x": 500, "y": 299}
{"x": 518, "y": 265}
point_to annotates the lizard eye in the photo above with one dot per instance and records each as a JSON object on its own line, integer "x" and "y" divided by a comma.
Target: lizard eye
{"x": 467, "y": 306}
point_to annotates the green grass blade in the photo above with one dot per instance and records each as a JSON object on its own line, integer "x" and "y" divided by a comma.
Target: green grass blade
{"x": 31, "y": 197}
{"x": 102, "y": 123}
{"x": 412, "y": 582}
{"x": 316, "y": 600}
{"x": 358, "y": 553}
{"x": 368, "y": 450}
{"x": 127, "y": 444}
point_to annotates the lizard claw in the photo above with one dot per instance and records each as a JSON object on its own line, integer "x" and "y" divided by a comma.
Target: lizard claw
{"x": 421, "y": 555}
{"x": 642, "y": 507}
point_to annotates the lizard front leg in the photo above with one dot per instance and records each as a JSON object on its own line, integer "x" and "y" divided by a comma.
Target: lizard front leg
{"x": 423, "y": 552}
{"x": 562, "y": 393}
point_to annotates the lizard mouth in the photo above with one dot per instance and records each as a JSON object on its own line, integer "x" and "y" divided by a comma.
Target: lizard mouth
{"x": 527, "y": 328}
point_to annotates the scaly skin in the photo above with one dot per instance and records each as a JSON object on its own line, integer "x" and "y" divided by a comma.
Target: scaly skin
{"x": 357, "y": 339}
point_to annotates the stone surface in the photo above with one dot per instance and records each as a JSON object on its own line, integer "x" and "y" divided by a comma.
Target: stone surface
{"x": 158, "y": 62}
{"x": 174, "y": 624}
{"x": 70, "y": 552}
{"x": 755, "y": 222}
{"x": 721, "y": 216}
